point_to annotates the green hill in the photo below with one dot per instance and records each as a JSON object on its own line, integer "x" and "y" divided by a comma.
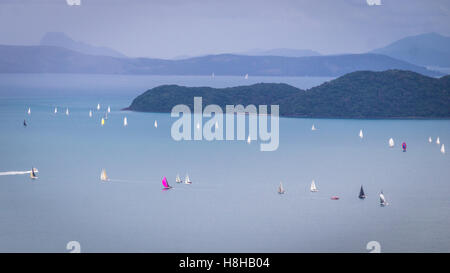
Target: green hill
{"x": 362, "y": 94}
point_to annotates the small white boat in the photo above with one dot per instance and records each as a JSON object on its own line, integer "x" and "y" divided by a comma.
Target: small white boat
{"x": 198, "y": 125}
{"x": 156, "y": 124}
{"x": 125, "y": 121}
{"x": 249, "y": 140}
{"x": 29, "y": 111}
{"x": 313, "y": 187}
{"x": 98, "y": 106}
{"x": 438, "y": 141}
{"x": 281, "y": 189}
{"x": 443, "y": 149}
{"x": 67, "y": 111}
{"x": 313, "y": 128}
{"x": 430, "y": 140}
{"x": 109, "y": 109}
{"x": 383, "y": 200}
{"x": 103, "y": 176}
{"x": 246, "y": 76}
{"x": 361, "y": 135}
{"x": 178, "y": 179}
{"x": 217, "y": 125}
{"x": 90, "y": 113}
{"x": 56, "y": 110}
{"x": 187, "y": 180}
{"x": 33, "y": 173}
{"x": 391, "y": 143}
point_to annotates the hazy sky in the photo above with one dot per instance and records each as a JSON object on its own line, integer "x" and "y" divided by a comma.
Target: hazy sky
{"x": 168, "y": 28}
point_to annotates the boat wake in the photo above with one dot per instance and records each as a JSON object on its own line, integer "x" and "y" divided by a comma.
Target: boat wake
{"x": 17, "y": 172}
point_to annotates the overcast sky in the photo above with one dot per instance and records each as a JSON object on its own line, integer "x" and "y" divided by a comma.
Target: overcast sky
{"x": 169, "y": 28}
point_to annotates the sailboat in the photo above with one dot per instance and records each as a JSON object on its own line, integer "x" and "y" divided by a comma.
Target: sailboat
{"x": 29, "y": 111}
{"x": 178, "y": 179}
{"x": 67, "y": 111}
{"x": 281, "y": 189}
{"x": 313, "y": 187}
{"x": 166, "y": 184}
{"x": 438, "y": 141}
{"x": 404, "y": 146}
{"x": 391, "y": 143}
{"x": 430, "y": 140}
{"x": 198, "y": 125}
{"x": 24, "y": 123}
{"x": 443, "y": 149}
{"x": 246, "y": 76}
{"x": 313, "y": 128}
{"x": 217, "y": 125}
{"x": 156, "y": 124}
{"x": 90, "y": 113}
{"x": 361, "y": 135}
{"x": 187, "y": 180}
{"x": 56, "y": 110}
{"x": 103, "y": 176}
{"x": 33, "y": 173}
{"x": 362, "y": 195}
{"x": 98, "y": 106}
{"x": 103, "y": 121}
{"x": 109, "y": 109}
{"x": 383, "y": 200}
{"x": 249, "y": 140}
{"x": 125, "y": 121}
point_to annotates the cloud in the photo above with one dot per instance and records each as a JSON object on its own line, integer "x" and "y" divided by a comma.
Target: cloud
{"x": 73, "y": 2}
{"x": 373, "y": 2}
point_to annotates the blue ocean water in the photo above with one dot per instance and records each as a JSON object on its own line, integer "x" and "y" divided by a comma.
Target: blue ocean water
{"x": 232, "y": 205}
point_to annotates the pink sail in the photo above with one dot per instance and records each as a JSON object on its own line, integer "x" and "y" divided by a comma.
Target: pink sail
{"x": 165, "y": 183}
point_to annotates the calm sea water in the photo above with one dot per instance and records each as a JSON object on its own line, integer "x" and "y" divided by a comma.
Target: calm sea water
{"x": 232, "y": 205}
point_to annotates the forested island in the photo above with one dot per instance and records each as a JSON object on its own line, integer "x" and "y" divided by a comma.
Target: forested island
{"x": 361, "y": 94}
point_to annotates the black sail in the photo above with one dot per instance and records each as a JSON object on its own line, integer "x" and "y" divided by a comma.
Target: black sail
{"x": 361, "y": 193}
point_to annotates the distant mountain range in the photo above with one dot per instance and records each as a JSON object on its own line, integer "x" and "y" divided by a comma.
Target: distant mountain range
{"x": 53, "y": 59}
{"x": 282, "y": 52}
{"x": 363, "y": 94}
{"x": 60, "y": 39}
{"x": 430, "y": 49}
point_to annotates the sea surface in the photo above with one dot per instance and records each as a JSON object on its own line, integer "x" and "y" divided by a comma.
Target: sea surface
{"x": 232, "y": 204}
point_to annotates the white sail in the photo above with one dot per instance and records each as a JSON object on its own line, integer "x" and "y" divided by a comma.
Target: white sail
{"x": 246, "y": 76}
{"x": 156, "y": 124}
{"x": 249, "y": 140}
{"x": 217, "y": 125}
{"x": 125, "y": 121}
{"x": 102, "y": 122}
{"x": 56, "y": 110}
{"x": 313, "y": 128}
{"x": 443, "y": 149}
{"x": 313, "y": 186}
{"x": 391, "y": 142}
{"x": 178, "y": 179}
{"x": 361, "y": 135}
{"x": 29, "y": 111}
{"x": 430, "y": 140}
{"x": 103, "y": 176}
{"x": 281, "y": 189}
{"x": 382, "y": 199}
{"x": 98, "y": 106}
{"x": 90, "y": 113}
{"x": 67, "y": 111}
{"x": 187, "y": 180}
{"x": 109, "y": 109}
{"x": 438, "y": 141}
{"x": 198, "y": 125}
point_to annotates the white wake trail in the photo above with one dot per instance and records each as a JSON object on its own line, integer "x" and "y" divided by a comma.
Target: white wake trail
{"x": 17, "y": 172}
